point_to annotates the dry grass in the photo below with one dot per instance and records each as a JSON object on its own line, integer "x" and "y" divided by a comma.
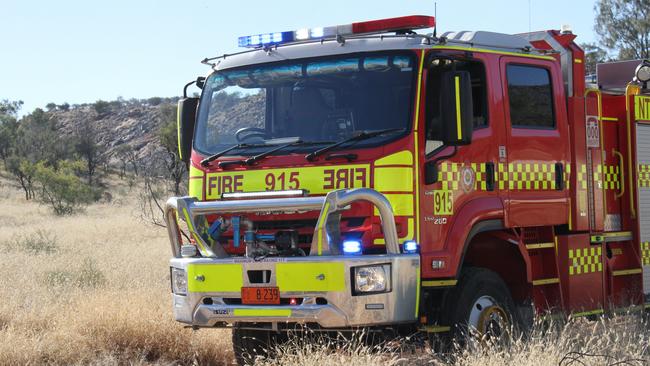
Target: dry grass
{"x": 90, "y": 289}
{"x": 94, "y": 289}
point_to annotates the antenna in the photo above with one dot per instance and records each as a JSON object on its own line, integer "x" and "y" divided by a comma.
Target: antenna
{"x": 435, "y": 15}
{"x": 529, "y": 15}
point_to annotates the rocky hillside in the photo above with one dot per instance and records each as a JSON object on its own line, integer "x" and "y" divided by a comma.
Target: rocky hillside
{"x": 120, "y": 124}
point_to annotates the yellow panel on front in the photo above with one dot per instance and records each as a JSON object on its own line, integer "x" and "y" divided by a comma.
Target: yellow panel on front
{"x": 314, "y": 276}
{"x": 196, "y": 188}
{"x": 400, "y": 158}
{"x": 402, "y": 204}
{"x": 216, "y": 277}
{"x": 262, "y": 312}
{"x": 317, "y": 180}
{"x": 195, "y": 172}
{"x": 394, "y": 179}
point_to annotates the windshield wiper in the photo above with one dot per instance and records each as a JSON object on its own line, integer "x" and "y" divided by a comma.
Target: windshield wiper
{"x": 362, "y": 135}
{"x": 216, "y": 156}
{"x": 254, "y": 159}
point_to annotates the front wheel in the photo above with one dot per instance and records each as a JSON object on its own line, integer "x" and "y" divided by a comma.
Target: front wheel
{"x": 481, "y": 304}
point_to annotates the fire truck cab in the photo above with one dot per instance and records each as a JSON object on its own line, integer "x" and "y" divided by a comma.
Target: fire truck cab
{"x": 364, "y": 175}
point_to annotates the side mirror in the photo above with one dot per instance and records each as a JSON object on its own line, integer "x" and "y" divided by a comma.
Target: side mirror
{"x": 456, "y": 109}
{"x": 186, "y": 118}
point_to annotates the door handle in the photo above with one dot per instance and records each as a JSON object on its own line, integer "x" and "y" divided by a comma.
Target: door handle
{"x": 620, "y": 169}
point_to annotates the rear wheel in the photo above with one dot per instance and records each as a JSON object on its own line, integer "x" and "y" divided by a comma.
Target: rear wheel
{"x": 480, "y": 305}
{"x": 248, "y": 344}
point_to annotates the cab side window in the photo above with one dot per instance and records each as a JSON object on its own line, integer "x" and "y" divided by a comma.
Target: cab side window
{"x": 436, "y": 69}
{"x": 531, "y": 97}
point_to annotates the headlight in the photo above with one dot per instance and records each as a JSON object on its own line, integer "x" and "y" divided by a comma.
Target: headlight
{"x": 372, "y": 279}
{"x": 179, "y": 281}
{"x": 642, "y": 71}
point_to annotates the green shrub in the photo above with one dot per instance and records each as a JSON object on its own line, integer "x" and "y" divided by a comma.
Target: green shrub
{"x": 88, "y": 276}
{"x": 40, "y": 241}
{"x": 62, "y": 189}
{"x": 102, "y": 107}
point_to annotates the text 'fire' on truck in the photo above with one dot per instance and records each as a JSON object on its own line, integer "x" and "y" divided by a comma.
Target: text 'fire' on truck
{"x": 367, "y": 176}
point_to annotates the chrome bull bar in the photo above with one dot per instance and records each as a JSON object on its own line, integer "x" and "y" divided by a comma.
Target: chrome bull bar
{"x": 327, "y": 229}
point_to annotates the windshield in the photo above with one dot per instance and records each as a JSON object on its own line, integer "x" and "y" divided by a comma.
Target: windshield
{"x": 317, "y": 101}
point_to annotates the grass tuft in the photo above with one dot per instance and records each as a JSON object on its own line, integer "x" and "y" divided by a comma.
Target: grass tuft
{"x": 39, "y": 242}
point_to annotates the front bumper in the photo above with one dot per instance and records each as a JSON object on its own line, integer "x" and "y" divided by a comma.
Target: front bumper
{"x": 324, "y": 283}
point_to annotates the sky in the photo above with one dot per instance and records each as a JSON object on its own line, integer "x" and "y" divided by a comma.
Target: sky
{"x": 83, "y": 51}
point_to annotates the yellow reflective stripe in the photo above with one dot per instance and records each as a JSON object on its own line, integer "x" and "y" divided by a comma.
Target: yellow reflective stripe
{"x": 458, "y": 124}
{"x": 626, "y": 272}
{"x": 546, "y": 281}
{"x": 439, "y": 283}
{"x": 198, "y": 240}
{"x": 314, "y": 276}
{"x": 321, "y": 224}
{"x": 435, "y": 329}
{"x": 417, "y": 291}
{"x": 612, "y": 119}
{"x": 587, "y": 313}
{"x": 394, "y": 179}
{"x": 178, "y": 129}
{"x": 416, "y": 143}
{"x": 402, "y": 204}
{"x": 540, "y": 245}
{"x": 577, "y": 60}
{"x": 399, "y": 158}
{"x": 262, "y": 312}
{"x": 216, "y": 277}
{"x": 471, "y": 49}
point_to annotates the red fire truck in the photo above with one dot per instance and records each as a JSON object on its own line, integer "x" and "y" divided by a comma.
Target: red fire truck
{"x": 367, "y": 176}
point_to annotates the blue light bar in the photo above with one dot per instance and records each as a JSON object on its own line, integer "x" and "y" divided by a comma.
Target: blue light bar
{"x": 410, "y": 247}
{"x": 265, "y": 39}
{"x": 351, "y": 247}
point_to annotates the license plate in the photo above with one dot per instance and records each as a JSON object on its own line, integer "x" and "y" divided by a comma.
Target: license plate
{"x": 260, "y": 295}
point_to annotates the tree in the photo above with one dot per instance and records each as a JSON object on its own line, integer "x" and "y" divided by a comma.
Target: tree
{"x": 50, "y": 107}
{"x": 64, "y": 107}
{"x": 624, "y": 26}
{"x": 101, "y": 107}
{"x": 61, "y": 188}
{"x": 8, "y": 126}
{"x": 593, "y": 56}
{"x": 23, "y": 170}
{"x": 88, "y": 149}
{"x": 36, "y": 140}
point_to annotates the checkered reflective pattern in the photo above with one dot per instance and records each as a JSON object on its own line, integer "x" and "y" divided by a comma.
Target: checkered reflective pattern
{"x": 450, "y": 175}
{"x": 585, "y": 260}
{"x": 610, "y": 174}
{"x": 644, "y": 175}
{"x": 531, "y": 176}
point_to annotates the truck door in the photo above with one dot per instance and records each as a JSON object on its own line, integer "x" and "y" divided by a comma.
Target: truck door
{"x": 536, "y": 149}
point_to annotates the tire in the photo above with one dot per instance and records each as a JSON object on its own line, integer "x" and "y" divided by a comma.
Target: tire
{"x": 249, "y": 344}
{"x": 480, "y": 305}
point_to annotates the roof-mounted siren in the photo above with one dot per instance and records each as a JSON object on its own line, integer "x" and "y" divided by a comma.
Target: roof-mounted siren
{"x": 398, "y": 25}
{"x": 560, "y": 44}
